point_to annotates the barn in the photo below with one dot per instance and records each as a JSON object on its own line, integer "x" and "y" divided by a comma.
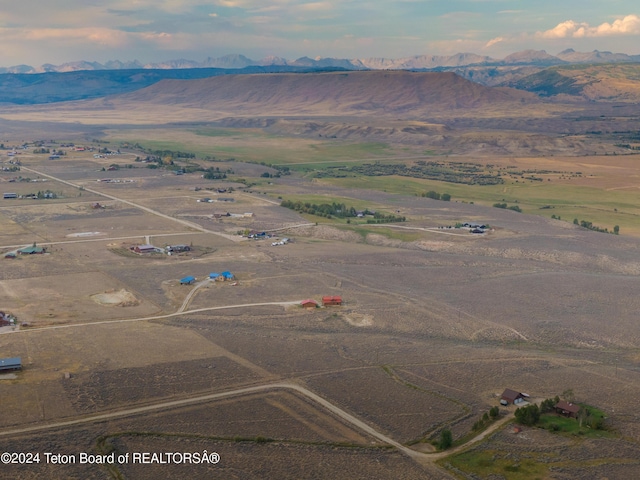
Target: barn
{"x": 309, "y": 303}
{"x": 145, "y": 249}
{"x": 512, "y": 397}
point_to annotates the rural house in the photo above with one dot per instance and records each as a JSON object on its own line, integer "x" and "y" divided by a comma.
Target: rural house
{"x": 187, "y": 280}
{"x": 331, "y": 300}
{"x": 567, "y": 409}
{"x": 309, "y": 303}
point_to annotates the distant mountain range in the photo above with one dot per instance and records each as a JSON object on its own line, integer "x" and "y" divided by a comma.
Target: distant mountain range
{"x": 595, "y": 76}
{"x": 538, "y": 58}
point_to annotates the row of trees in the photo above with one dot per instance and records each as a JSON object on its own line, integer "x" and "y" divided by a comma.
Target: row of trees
{"x": 339, "y": 210}
{"x": 487, "y": 418}
{"x": 452, "y": 172}
{"x": 445, "y": 197}
{"x": 591, "y": 226}
{"x": 515, "y": 208}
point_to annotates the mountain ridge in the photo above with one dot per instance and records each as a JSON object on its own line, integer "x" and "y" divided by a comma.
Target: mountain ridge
{"x": 525, "y": 57}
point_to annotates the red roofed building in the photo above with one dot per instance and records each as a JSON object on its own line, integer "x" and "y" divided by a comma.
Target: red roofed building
{"x": 331, "y": 300}
{"x": 309, "y": 304}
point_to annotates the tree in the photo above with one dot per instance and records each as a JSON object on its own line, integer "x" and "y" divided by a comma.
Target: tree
{"x": 568, "y": 395}
{"x": 446, "y": 439}
{"x": 432, "y": 194}
{"x": 445, "y": 197}
{"x": 616, "y": 229}
{"x": 583, "y": 415}
{"x": 529, "y": 415}
{"x": 494, "y": 412}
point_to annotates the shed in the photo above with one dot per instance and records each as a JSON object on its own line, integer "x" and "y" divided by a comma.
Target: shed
{"x": 187, "y": 280}
{"x": 9, "y": 364}
{"x": 10, "y": 195}
{"x": 227, "y": 275}
{"x": 567, "y": 409}
{"x": 331, "y": 300}
{"x": 511, "y": 397}
{"x": 309, "y": 303}
{"x": 214, "y": 276}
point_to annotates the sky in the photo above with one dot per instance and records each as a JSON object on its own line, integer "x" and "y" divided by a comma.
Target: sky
{"x": 34, "y": 32}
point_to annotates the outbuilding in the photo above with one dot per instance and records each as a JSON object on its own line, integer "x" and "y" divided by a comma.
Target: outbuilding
{"x": 187, "y": 280}
{"x": 511, "y": 397}
{"x": 214, "y": 276}
{"x": 145, "y": 248}
{"x": 10, "y": 364}
{"x": 227, "y": 275}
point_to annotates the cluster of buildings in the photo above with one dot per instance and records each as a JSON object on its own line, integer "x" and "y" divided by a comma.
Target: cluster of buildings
{"x": 169, "y": 249}
{"x": 6, "y": 319}
{"x": 327, "y": 300}
{"x": 563, "y": 407}
{"x": 216, "y": 277}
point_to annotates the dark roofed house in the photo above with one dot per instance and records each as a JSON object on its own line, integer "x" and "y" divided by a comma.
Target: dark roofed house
{"x": 511, "y": 397}
{"x": 9, "y": 364}
{"x": 567, "y": 409}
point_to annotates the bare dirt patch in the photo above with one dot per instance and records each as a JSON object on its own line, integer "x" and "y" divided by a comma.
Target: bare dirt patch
{"x": 120, "y": 298}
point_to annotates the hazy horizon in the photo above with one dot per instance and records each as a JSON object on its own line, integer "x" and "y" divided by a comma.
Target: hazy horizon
{"x": 157, "y": 31}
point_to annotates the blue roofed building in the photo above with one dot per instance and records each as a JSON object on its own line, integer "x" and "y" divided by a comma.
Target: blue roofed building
{"x": 187, "y": 280}
{"x": 9, "y": 364}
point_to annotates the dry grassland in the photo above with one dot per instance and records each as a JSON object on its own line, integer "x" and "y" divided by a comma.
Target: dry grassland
{"x": 435, "y": 322}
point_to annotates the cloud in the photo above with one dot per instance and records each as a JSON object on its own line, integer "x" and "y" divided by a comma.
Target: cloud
{"x": 493, "y": 41}
{"x": 628, "y": 25}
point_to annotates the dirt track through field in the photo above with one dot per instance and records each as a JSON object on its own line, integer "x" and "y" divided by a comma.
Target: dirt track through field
{"x": 418, "y": 456}
{"x": 136, "y": 205}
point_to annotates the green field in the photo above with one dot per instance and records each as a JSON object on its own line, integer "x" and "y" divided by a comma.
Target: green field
{"x": 573, "y": 197}
{"x": 487, "y": 464}
{"x": 605, "y": 208}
